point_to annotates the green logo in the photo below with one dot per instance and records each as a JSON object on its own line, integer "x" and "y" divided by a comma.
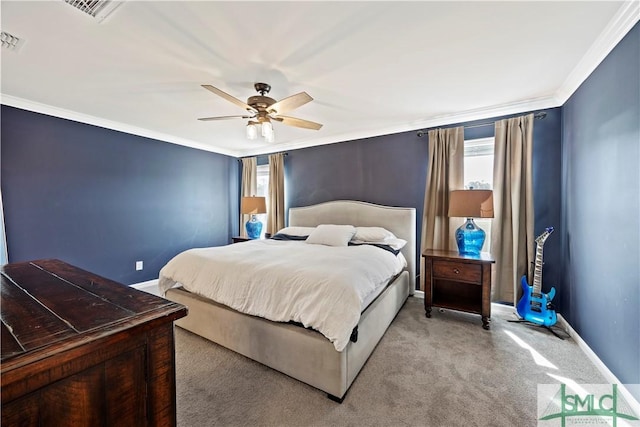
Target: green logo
{"x": 585, "y": 408}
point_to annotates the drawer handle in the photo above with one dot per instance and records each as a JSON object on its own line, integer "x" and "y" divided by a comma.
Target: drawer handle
{"x": 455, "y": 270}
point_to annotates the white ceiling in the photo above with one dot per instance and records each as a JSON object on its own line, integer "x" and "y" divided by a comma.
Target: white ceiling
{"x": 372, "y": 67}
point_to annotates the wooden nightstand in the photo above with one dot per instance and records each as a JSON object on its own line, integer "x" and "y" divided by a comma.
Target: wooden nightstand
{"x": 238, "y": 239}
{"x": 458, "y": 282}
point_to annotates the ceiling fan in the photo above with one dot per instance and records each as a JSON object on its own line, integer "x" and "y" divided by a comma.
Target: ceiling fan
{"x": 263, "y": 109}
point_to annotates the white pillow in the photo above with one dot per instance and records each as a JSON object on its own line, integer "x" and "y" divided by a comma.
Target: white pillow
{"x": 396, "y": 243}
{"x": 372, "y": 234}
{"x": 331, "y": 235}
{"x": 296, "y": 231}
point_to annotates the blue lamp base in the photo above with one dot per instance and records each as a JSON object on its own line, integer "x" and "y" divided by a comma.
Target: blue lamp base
{"x": 470, "y": 238}
{"x": 254, "y": 228}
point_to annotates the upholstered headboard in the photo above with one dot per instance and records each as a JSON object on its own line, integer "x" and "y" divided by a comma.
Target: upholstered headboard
{"x": 400, "y": 221}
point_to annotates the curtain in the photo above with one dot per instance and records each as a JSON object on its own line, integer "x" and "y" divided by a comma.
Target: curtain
{"x": 512, "y": 239}
{"x": 4, "y": 256}
{"x": 249, "y": 186}
{"x": 445, "y": 173}
{"x": 275, "y": 210}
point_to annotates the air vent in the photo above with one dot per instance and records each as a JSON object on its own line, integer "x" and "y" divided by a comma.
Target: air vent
{"x": 99, "y": 9}
{"x": 9, "y": 41}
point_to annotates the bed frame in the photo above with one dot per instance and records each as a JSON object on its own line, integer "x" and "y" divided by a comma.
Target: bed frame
{"x": 303, "y": 353}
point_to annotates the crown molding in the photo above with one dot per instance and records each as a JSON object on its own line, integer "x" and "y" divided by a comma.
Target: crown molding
{"x": 622, "y": 22}
{"x": 435, "y": 121}
{"x": 50, "y": 110}
{"x": 626, "y": 17}
{"x": 441, "y": 120}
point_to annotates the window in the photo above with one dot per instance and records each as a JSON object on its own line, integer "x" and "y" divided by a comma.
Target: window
{"x": 262, "y": 172}
{"x": 478, "y": 174}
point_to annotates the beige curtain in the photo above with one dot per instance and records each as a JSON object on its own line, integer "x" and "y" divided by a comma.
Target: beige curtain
{"x": 249, "y": 186}
{"x": 275, "y": 210}
{"x": 512, "y": 240}
{"x": 445, "y": 173}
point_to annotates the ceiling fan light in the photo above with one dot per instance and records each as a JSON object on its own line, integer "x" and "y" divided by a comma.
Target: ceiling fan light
{"x": 252, "y": 131}
{"x": 270, "y": 137}
{"x": 267, "y": 128}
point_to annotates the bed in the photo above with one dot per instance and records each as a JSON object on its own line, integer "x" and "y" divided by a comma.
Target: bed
{"x": 304, "y": 353}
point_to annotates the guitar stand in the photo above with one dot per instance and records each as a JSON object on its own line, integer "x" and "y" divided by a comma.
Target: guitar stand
{"x": 542, "y": 326}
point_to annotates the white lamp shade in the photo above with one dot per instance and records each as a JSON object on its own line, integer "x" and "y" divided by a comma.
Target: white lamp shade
{"x": 267, "y": 129}
{"x": 270, "y": 137}
{"x": 252, "y": 131}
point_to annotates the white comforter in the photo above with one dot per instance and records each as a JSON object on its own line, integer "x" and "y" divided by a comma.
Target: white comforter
{"x": 322, "y": 287}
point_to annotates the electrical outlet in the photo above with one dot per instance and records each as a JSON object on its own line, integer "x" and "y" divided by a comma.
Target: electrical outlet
{"x": 138, "y": 265}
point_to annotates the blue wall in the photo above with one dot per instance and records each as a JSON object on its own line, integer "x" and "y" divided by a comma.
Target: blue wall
{"x": 102, "y": 199}
{"x": 601, "y": 210}
{"x": 392, "y": 170}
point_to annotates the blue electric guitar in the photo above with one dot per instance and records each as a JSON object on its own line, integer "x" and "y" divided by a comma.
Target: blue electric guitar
{"x": 535, "y": 306}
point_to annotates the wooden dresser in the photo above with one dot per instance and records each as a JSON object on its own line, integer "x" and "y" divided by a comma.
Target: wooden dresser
{"x": 82, "y": 350}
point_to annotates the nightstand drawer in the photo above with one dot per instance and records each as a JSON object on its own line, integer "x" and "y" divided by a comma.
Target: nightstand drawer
{"x": 458, "y": 271}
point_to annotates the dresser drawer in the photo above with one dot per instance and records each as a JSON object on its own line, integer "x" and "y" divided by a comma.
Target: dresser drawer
{"x": 458, "y": 271}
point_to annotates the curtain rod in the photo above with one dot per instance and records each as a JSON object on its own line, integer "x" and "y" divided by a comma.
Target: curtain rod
{"x": 540, "y": 115}
{"x": 246, "y": 157}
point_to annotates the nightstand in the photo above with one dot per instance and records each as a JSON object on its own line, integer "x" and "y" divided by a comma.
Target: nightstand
{"x": 458, "y": 282}
{"x": 238, "y": 239}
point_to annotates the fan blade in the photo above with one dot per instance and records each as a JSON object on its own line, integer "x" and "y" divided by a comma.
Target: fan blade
{"x": 230, "y": 98}
{"x": 290, "y": 103}
{"x": 207, "y": 119}
{"x": 300, "y": 123}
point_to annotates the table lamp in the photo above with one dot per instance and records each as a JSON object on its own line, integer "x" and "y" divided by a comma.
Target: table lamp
{"x": 470, "y": 204}
{"x": 253, "y": 206}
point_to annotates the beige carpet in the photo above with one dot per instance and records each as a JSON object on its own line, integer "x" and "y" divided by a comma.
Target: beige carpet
{"x": 443, "y": 371}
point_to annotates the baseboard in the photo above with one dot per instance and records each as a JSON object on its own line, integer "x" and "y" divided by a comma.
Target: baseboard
{"x": 150, "y": 286}
{"x": 593, "y": 357}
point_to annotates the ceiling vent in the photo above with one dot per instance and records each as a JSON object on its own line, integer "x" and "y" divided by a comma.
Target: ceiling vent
{"x": 99, "y": 9}
{"x": 11, "y": 42}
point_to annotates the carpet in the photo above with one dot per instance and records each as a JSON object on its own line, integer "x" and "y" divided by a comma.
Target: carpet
{"x": 442, "y": 371}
